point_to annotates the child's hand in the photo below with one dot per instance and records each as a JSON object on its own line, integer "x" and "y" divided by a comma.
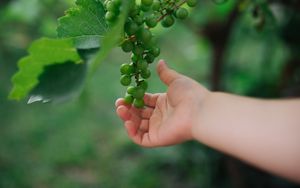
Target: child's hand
{"x": 168, "y": 117}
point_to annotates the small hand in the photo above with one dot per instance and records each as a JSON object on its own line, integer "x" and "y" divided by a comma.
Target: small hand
{"x": 168, "y": 117}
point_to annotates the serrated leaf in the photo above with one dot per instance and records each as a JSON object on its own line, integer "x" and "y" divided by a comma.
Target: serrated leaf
{"x": 59, "y": 82}
{"x": 42, "y": 52}
{"x": 87, "y": 18}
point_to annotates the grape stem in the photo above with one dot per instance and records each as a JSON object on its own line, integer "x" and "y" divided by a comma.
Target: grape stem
{"x": 168, "y": 13}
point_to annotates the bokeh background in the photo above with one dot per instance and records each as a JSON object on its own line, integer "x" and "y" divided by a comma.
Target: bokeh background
{"x": 233, "y": 46}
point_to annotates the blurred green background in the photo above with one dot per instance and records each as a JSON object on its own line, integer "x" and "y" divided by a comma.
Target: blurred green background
{"x": 235, "y": 46}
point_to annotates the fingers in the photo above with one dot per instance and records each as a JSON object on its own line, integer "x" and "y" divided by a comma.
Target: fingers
{"x": 150, "y": 99}
{"x": 166, "y": 74}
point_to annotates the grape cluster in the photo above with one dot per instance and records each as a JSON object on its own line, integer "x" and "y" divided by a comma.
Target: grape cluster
{"x": 139, "y": 41}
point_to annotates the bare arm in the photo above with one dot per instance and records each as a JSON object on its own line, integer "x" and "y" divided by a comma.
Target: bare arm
{"x": 265, "y": 133}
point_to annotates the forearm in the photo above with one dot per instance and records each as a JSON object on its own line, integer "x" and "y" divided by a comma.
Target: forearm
{"x": 265, "y": 133}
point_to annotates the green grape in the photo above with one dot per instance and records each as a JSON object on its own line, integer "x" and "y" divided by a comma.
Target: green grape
{"x": 131, "y": 27}
{"x": 135, "y": 58}
{"x": 146, "y": 74}
{"x": 127, "y": 69}
{"x": 145, "y": 8}
{"x": 168, "y": 21}
{"x": 138, "y": 19}
{"x": 125, "y": 80}
{"x": 117, "y": 2}
{"x": 138, "y": 103}
{"x": 110, "y": 16}
{"x": 131, "y": 90}
{"x": 143, "y": 65}
{"x": 191, "y": 3}
{"x": 149, "y": 58}
{"x": 147, "y": 2}
{"x": 156, "y": 5}
{"x": 112, "y": 6}
{"x": 151, "y": 21}
{"x": 181, "y": 13}
{"x": 138, "y": 50}
{"x": 155, "y": 51}
{"x": 127, "y": 46}
{"x": 128, "y": 99}
{"x": 143, "y": 84}
{"x": 138, "y": 93}
{"x": 134, "y": 11}
{"x": 144, "y": 35}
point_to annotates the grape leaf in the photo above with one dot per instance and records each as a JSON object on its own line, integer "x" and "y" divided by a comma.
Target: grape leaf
{"x": 59, "y": 82}
{"x": 86, "y": 19}
{"x": 42, "y": 52}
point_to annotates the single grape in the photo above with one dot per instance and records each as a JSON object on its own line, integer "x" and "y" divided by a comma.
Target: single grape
{"x": 127, "y": 46}
{"x": 127, "y": 69}
{"x": 168, "y": 21}
{"x": 144, "y": 35}
{"x": 155, "y": 51}
{"x": 135, "y": 58}
{"x": 191, "y": 3}
{"x": 156, "y": 5}
{"x": 143, "y": 84}
{"x": 131, "y": 90}
{"x": 181, "y": 13}
{"x": 138, "y": 50}
{"x": 151, "y": 21}
{"x": 138, "y": 19}
{"x": 142, "y": 65}
{"x": 147, "y": 2}
{"x": 128, "y": 99}
{"x": 110, "y": 16}
{"x": 125, "y": 80}
{"x": 146, "y": 74}
{"x": 138, "y": 103}
{"x": 131, "y": 27}
{"x": 149, "y": 58}
{"x": 112, "y": 6}
{"x": 138, "y": 93}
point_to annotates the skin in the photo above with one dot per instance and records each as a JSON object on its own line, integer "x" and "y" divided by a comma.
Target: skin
{"x": 264, "y": 133}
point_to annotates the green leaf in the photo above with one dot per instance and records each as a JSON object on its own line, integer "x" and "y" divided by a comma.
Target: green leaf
{"x": 59, "y": 82}
{"x": 86, "y": 19}
{"x": 113, "y": 37}
{"x": 42, "y": 52}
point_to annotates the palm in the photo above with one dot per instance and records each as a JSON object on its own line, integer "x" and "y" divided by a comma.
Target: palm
{"x": 167, "y": 118}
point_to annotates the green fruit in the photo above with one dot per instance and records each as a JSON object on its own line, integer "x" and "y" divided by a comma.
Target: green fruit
{"x": 110, "y": 16}
{"x": 127, "y": 46}
{"x": 149, "y": 58}
{"x": 142, "y": 65}
{"x": 128, "y": 99}
{"x": 125, "y": 80}
{"x": 144, "y": 35}
{"x": 181, "y": 13}
{"x": 138, "y": 50}
{"x": 155, "y": 51}
{"x": 156, "y": 5}
{"x": 138, "y": 103}
{"x": 135, "y": 58}
{"x": 131, "y": 90}
{"x": 168, "y": 21}
{"x": 151, "y": 21}
{"x": 143, "y": 84}
{"x": 138, "y": 93}
{"x": 146, "y": 74}
{"x": 127, "y": 69}
{"x": 147, "y": 2}
{"x": 131, "y": 27}
{"x": 112, "y": 6}
{"x": 192, "y": 3}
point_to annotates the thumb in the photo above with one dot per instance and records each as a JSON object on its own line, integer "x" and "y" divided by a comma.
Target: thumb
{"x": 166, "y": 74}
